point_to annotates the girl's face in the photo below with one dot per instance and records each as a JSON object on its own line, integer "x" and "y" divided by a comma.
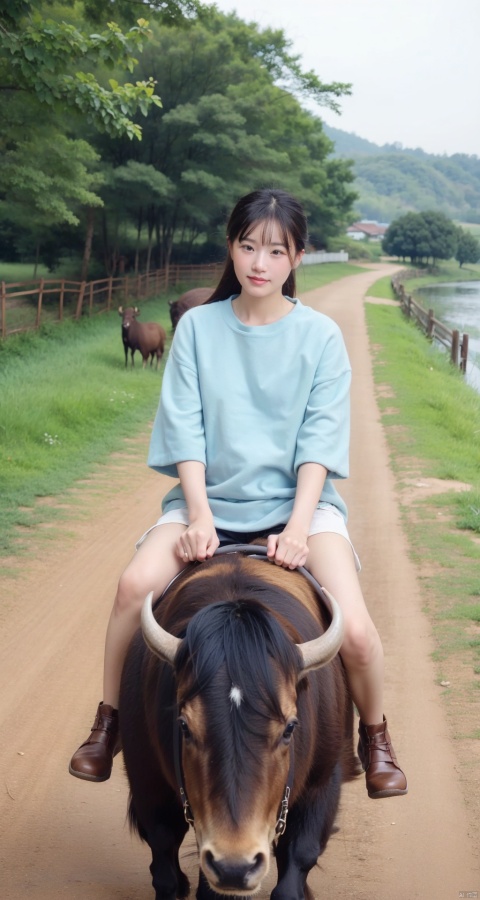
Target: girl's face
{"x": 262, "y": 262}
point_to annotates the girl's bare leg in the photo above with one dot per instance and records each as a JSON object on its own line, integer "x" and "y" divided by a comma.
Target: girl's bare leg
{"x": 331, "y": 562}
{"x": 151, "y": 569}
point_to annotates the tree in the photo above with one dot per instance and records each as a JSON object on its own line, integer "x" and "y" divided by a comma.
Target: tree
{"x": 51, "y": 59}
{"x": 225, "y": 127}
{"x": 442, "y": 236}
{"x": 46, "y": 182}
{"x": 468, "y": 248}
{"x": 421, "y": 236}
{"x": 54, "y": 80}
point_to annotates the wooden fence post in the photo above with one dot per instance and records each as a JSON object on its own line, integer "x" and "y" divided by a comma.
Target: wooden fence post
{"x": 464, "y": 354}
{"x": 61, "y": 300}
{"x": 39, "y": 304}
{"x": 109, "y": 296}
{"x": 430, "y": 323}
{"x": 125, "y": 293}
{"x": 81, "y": 292}
{"x": 455, "y": 346}
{"x": 3, "y": 309}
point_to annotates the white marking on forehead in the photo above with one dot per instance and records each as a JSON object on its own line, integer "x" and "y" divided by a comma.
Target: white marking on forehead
{"x": 236, "y": 695}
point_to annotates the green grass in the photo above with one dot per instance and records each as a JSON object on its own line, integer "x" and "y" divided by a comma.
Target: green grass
{"x": 444, "y": 272}
{"x": 382, "y": 289}
{"x": 67, "y": 403}
{"x": 441, "y": 413}
{"x": 310, "y": 277}
{"x": 432, "y": 424}
{"x": 13, "y": 272}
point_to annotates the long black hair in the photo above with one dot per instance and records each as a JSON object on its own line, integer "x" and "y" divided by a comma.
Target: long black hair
{"x": 270, "y": 207}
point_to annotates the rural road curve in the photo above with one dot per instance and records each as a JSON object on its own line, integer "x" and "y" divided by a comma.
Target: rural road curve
{"x": 64, "y": 839}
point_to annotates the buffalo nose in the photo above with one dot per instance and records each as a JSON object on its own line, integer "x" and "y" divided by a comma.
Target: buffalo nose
{"x": 235, "y": 875}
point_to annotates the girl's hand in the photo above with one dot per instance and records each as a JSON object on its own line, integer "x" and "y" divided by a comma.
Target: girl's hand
{"x": 288, "y": 549}
{"x": 199, "y": 541}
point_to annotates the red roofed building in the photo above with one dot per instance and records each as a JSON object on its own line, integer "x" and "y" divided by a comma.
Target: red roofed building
{"x": 373, "y": 231}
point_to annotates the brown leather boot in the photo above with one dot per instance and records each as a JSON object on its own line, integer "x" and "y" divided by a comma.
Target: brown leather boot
{"x": 383, "y": 775}
{"x": 94, "y": 759}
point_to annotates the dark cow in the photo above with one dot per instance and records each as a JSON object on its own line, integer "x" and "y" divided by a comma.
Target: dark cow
{"x": 192, "y": 298}
{"x": 147, "y": 337}
{"x": 212, "y": 725}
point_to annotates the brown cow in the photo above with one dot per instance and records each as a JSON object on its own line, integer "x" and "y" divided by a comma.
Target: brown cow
{"x": 147, "y": 337}
{"x": 246, "y": 653}
{"x": 192, "y": 298}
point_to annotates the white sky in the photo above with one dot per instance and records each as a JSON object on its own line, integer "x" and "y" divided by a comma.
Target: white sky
{"x": 414, "y": 64}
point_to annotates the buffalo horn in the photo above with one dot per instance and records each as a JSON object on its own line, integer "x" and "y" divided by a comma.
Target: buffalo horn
{"x": 321, "y": 650}
{"x": 159, "y": 641}
{"x": 314, "y": 653}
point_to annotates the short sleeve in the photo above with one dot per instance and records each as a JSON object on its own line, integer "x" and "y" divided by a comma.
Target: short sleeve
{"x": 178, "y": 430}
{"x": 324, "y": 436}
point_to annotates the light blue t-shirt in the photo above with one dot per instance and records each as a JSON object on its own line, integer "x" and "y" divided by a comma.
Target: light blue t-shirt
{"x": 252, "y": 403}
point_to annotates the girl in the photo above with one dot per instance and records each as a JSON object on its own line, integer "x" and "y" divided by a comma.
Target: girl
{"x": 254, "y": 422}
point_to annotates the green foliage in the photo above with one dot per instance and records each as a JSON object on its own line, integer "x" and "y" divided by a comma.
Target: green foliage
{"x": 468, "y": 511}
{"x": 421, "y": 236}
{"x": 392, "y": 180}
{"x": 468, "y": 248}
{"x": 225, "y": 127}
{"x": 45, "y": 181}
{"x": 50, "y": 60}
{"x": 230, "y": 119}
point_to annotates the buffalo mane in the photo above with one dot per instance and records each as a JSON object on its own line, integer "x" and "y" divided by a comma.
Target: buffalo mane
{"x": 243, "y": 638}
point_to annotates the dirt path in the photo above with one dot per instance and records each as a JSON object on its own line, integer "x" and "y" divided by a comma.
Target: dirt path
{"x": 67, "y": 839}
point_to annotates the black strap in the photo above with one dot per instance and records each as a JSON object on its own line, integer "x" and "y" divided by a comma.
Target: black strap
{"x": 259, "y": 551}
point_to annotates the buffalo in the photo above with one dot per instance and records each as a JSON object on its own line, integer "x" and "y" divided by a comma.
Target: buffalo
{"x": 147, "y": 337}
{"x": 192, "y": 298}
{"x": 240, "y": 715}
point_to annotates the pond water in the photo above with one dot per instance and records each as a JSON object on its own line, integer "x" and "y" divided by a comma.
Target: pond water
{"x": 457, "y": 305}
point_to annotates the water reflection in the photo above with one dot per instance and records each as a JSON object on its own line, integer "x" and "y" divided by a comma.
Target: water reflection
{"x": 458, "y": 305}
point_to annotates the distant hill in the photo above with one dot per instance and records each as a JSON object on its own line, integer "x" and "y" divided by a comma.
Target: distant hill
{"x": 392, "y": 179}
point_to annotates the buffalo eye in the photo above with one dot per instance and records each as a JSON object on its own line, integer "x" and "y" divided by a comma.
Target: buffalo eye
{"x": 287, "y": 734}
{"x": 184, "y": 728}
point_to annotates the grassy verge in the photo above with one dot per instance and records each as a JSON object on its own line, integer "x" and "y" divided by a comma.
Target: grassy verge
{"x": 432, "y": 423}
{"x": 67, "y": 402}
{"x": 444, "y": 272}
{"x": 14, "y": 272}
{"x": 310, "y": 277}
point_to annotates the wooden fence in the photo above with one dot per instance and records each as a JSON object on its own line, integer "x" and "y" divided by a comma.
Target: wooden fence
{"x": 456, "y": 343}
{"x": 26, "y": 305}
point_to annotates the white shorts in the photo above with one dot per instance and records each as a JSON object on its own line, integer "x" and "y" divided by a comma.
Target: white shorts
{"x": 327, "y": 518}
